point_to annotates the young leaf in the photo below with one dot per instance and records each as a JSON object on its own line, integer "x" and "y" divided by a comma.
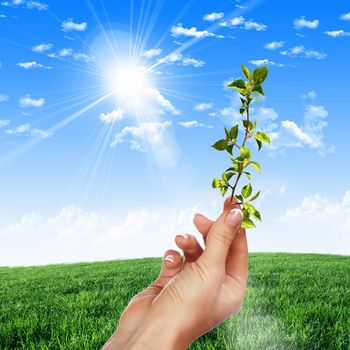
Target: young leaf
{"x": 259, "y": 144}
{"x": 249, "y": 176}
{"x": 245, "y": 71}
{"x": 254, "y": 197}
{"x": 216, "y": 183}
{"x": 260, "y": 74}
{"x": 245, "y": 153}
{"x": 247, "y": 190}
{"x": 234, "y": 132}
{"x": 229, "y": 149}
{"x": 263, "y": 137}
{"x": 257, "y": 215}
{"x": 223, "y": 190}
{"x": 247, "y": 223}
{"x": 239, "y": 84}
{"x": 239, "y": 197}
{"x": 256, "y": 165}
{"x": 227, "y": 133}
{"x": 248, "y": 124}
{"x": 258, "y": 89}
{"x": 241, "y": 111}
{"x": 228, "y": 176}
{"x": 220, "y": 145}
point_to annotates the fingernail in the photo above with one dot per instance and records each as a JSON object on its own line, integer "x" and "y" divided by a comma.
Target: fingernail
{"x": 169, "y": 258}
{"x": 185, "y": 236}
{"x": 234, "y": 218}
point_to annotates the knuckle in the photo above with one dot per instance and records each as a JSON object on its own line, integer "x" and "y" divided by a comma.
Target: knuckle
{"x": 223, "y": 236}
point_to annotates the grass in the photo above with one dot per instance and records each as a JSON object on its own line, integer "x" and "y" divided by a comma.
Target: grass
{"x": 294, "y": 301}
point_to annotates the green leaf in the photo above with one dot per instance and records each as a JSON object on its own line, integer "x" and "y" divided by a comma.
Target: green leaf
{"x": 229, "y": 176}
{"x": 256, "y": 165}
{"x": 247, "y": 223}
{"x": 259, "y": 144}
{"x": 239, "y": 197}
{"x": 249, "y": 176}
{"x": 247, "y": 190}
{"x": 257, "y": 215}
{"x": 257, "y": 99}
{"x": 263, "y": 137}
{"x": 239, "y": 84}
{"x": 254, "y": 197}
{"x": 258, "y": 89}
{"x": 234, "y": 132}
{"x": 242, "y": 110}
{"x": 229, "y": 169}
{"x": 245, "y": 71}
{"x": 220, "y": 145}
{"x": 229, "y": 148}
{"x": 227, "y": 132}
{"x": 223, "y": 190}
{"x": 216, "y": 183}
{"x": 248, "y": 124}
{"x": 245, "y": 153}
{"x": 254, "y": 126}
{"x": 260, "y": 74}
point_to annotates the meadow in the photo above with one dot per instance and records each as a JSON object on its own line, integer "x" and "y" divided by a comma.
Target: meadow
{"x": 294, "y": 301}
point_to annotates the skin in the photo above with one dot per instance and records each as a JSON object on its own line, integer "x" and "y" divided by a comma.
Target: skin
{"x": 189, "y": 298}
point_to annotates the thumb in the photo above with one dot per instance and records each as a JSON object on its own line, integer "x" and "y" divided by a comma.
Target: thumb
{"x": 221, "y": 235}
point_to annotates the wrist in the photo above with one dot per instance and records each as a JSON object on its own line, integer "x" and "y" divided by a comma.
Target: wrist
{"x": 157, "y": 333}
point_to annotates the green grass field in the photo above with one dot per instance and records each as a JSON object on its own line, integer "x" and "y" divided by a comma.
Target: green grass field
{"x": 294, "y": 301}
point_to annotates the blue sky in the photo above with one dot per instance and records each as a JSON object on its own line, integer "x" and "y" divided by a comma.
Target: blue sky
{"x": 86, "y": 174}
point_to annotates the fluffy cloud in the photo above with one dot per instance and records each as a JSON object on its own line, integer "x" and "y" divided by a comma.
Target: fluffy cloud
{"x": 68, "y": 52}
{"x": 345, "y": 16}
{"x": 337, "y": 33}
{"x": 301, "y": 51}
{"x": 3, "y": 98}
{"x": 42, "y": 47}
{"x": 28, "y": 101}
{"x": 301, "y": 22}
{"x": 265, "y": 62}
{"x": 115, "y": 115}
{"x": 178, "y": 58}
{"x": 26, "y": 129}
{"x": 242, "y": 23}
{"x": 32, "y": 65}
{"x": 193, "y": 123}
{"x": 203, "y": 106}
{"x": 214, "y": 16}
{"x": 273, "y": 45}
{"x": 153, "y": 138}
{"x": 26, "y": 4}
{"x": 179, "y": 30}
{"x": 4, "y": 122}
{"x": 152, "y": 53}
{"x": 69, "y": 25}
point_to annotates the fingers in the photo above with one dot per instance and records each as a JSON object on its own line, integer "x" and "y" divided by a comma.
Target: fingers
{"x": 237, "y": 259}
{"x": 171, "y": 266}
{"x": 221, "y": 235}
{"x": 190, "y": 246}
{"x": 202, "y": 224}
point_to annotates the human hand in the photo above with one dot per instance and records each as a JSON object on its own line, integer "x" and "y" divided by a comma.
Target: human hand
{"x": 187, "y": 300}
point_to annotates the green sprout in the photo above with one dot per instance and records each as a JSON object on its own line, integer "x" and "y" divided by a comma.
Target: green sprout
{"x": 240, "y": 155}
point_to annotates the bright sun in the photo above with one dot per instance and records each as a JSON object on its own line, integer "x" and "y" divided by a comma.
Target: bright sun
{"x": 129, "y": 83}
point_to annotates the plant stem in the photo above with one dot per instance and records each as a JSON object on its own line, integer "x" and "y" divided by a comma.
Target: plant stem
{"x": 246, "y": 136}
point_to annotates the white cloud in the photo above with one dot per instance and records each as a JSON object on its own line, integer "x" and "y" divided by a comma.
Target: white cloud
{"x": 301, "y": 51}
{"x": 115, "y": 115}
{"x": 28, "y": 101}
{"x": 32, "y": 65}
{"x": 69, "y": 53}
{"x": 193, "y": 123}
{"x": 179, "y": 30}
{"x": 162, "y": 102}
{"x": 26, "y": 4}
{"x": 177, "y": 57}
{"x": 345, "y": 16}
{"x": 42, "y": 47}
{"x": 2, "y": 15}
{"x": 242, "y": 23}
{"x": 4, "y": 122}
{"x": 265, "y": 62}
{"x": 337, "y": 33}
{"x": 4, "y": 98}
{"x": 203, "y": 106}
{"x": 153, "y": 138}
{"x": 69, "y": 25}
{"x": 189, "y": 61}
{"x": 214, "y": 16}
{"x": 311, "y": 95}
{"x": 301, "y": 22}
{"x": 23, "y": 128}
{"x": 273, "y": 45}
{"x": 241, "y": 6}
{"x": 152, "y": 53}
{"x": 44, "y": 134}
